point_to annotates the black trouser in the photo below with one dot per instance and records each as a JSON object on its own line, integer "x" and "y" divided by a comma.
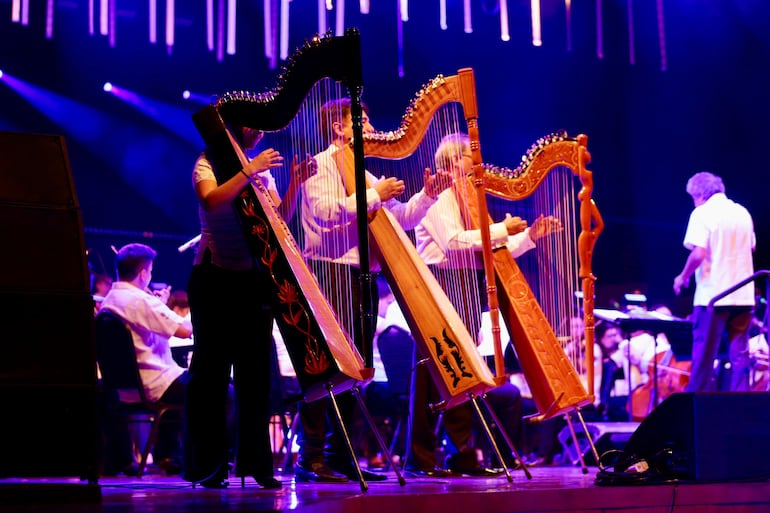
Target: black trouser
{"x": 233, "y": 327}
{"x": 321, "y": 438}
{"x": 170, "y": 428}
{"x": 457, "y": 422}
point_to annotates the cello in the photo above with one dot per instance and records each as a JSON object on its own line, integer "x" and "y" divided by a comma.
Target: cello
{"x": 671, "y": 377}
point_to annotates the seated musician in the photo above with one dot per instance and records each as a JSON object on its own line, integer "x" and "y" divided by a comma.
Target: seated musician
{"x": 613, "y": 394}
{"x": 446, "y": 245}
{"x": 640, "y": 348}
{"x": 331, "y": 249}
{"x": 151, "y": 323}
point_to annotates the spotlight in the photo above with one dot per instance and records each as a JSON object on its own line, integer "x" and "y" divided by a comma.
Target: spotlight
{"x": 107, "y": 87}
{"x": 196, "y": 97}
{"x": 1, "y": 73}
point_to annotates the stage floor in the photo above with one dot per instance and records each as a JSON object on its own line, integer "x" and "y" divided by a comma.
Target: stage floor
{"x": 551, "y": 489}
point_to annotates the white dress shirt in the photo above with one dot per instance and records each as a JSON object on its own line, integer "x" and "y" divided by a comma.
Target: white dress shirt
{"x": 329, "y": 214}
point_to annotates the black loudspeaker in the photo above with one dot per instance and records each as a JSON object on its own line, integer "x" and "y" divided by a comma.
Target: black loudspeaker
{"x": 605, "y": 435}
{"x": 47, "y": 352}
{"x": 705, "y": 436}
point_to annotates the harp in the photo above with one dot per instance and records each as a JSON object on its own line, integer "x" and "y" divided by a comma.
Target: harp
{"x": 320, "y": 349}
{"x": 453, "y": 361}
{"x": 427, "y": 306}
{"x": 554, "y": 178}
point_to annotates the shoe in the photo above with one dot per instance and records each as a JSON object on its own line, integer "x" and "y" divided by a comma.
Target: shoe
{"x": 368, "y": 476}
{"x": 268, "y": 483}
{"x": 433, "y": 472}
{"x": 214, "y": 483}
{"x": 375, "y": 463}
{"x": 317, "y": 473}
{"x": 543, "y": 461}
{"x": 170, "y": 466}
{"x": 478, "y": 471}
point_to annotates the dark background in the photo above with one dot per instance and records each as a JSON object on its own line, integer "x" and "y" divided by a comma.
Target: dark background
{"x": 649, "y": 130}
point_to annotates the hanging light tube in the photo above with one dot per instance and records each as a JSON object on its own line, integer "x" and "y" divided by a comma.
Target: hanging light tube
{"x": 103, "y": 19}
{"x": 232, "y": 9}
{"x": 284, "y": 29}
{"x": 16, "y": 11}
{"x": 322, "y": 8}
{"x": 49, "y": 20}
{"x": 537, "y": 36}
{"x": 467, "y": 24}
{"x": 210, "y": 25}
{"x": 268, "y": 17}
{"x": 339, "y": 28}
{"x": 170, "y": 17}
{"x": 599, "y": 31}
{"x": 153, "y": 29}
{"x": 505, "y": 34}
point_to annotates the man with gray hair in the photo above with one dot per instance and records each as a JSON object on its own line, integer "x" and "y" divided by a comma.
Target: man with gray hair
{"x": 720, "y": 237}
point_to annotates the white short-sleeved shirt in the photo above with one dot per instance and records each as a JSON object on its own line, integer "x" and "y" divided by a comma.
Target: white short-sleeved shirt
{"x": 726, "y": 231}
{"x": 151, "y": 323}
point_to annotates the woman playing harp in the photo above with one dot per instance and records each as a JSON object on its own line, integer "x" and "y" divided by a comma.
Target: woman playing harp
{"x": 224, "y": 269}
{"x": 331, "y": 249}
{"x": 322, "y": 353}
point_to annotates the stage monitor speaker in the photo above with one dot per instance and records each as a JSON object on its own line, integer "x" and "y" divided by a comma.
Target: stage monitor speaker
{"x": 705, "y": 436}
{"x": 36, "y": 170}
{"x": 605, "y": 435}
{"x": 47, "y": 351}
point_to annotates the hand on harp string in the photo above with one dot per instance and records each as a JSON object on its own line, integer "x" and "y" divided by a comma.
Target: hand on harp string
{"x": 301, "y": 171}
{"x": 436, "y": 183}
{"x": 544, "y": 225}
{"x": 267, "y": 159}
{"x": 515, "y": 224}
{"x": 389, "y": 188}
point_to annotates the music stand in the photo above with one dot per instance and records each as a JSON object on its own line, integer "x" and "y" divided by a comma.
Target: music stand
{"x": 678, "y": 332}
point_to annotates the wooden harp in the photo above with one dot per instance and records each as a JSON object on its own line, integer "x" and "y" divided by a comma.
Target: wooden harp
{"x": 558, "y": 367}
{"x": 321, "y": 351}
{"x": 454, "y": 363}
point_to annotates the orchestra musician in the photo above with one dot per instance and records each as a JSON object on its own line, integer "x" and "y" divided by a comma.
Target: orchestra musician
{"x": 331, "y": 249}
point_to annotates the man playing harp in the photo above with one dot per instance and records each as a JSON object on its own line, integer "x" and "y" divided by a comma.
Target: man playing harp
{"x": 452, "y": 251}
{"x": 331, "y": 249}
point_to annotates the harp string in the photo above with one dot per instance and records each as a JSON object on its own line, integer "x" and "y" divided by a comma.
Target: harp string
{"x": 463, "y": 289}
{"x": 302, "y": 137}
{"x": 552, "y": 268}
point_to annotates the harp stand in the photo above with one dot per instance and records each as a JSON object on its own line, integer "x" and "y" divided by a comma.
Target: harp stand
{"x": 579, "y": 415}
{"x": 493, "y": 442}
{"x": 346, "y": 436}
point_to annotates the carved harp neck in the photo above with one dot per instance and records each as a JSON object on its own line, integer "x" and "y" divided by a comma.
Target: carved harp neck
{"x": 338, "y": 58}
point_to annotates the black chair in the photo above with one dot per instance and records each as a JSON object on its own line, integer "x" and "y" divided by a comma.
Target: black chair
{"x": 116, "y": 356}
{"x": 397, "y": 347}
